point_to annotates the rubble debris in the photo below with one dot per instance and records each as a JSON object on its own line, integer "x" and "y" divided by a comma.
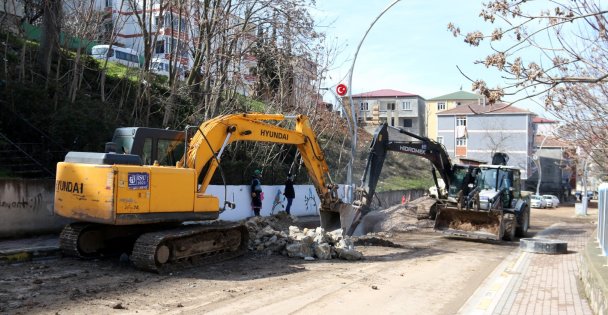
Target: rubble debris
{"x": 408, "y": 217}
{"x": 118, "y": 306}
{"x": 277, "y": 234}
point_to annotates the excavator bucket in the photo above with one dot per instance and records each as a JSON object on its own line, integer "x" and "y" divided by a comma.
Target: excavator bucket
{"x": 341, "y": 217}
{"x": 469, "y": 223}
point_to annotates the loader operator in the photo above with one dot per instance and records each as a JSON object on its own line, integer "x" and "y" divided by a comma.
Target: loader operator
{"x": 256, "y": 192}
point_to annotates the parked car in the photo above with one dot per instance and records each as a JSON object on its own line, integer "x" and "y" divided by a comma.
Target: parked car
{"x": 552, "y": 201}
{"x": 537, "y": 201}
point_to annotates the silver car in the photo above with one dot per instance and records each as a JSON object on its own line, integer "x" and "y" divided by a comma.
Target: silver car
{"x": 551, "y": 200}
{"x": 537, "y": 201}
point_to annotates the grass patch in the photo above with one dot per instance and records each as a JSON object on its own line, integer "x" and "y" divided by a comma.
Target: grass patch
{"x": 398, "y": 183}
{"x": 118, "y": 71}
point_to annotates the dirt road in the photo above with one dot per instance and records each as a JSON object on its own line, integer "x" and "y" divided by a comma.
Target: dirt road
{"x": 428, "y": 275}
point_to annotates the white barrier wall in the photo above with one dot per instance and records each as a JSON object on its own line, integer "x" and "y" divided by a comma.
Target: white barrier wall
{"x": 306, "y": 202}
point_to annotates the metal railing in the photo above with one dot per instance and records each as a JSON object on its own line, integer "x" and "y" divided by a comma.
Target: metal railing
{"x": 602, "y": 222}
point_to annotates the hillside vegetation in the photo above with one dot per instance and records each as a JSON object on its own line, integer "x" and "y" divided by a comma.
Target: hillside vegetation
{"x": 83, "y": 119}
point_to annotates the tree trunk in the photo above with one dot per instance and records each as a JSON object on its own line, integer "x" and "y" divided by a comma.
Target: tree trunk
{"x": 50, "y": 35}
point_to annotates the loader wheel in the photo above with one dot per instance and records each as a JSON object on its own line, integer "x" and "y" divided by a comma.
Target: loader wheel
{"x": 509, "y": 224}
{"x": 523, "y": 223}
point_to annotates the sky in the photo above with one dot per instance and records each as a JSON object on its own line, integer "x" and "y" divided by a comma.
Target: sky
{"x": 409, "y": 49}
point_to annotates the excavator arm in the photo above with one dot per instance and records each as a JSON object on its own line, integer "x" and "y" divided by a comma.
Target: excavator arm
{"x": 205, "y": 149}
{"x": 424, "y": 147}
{"x": 380, "y": 145}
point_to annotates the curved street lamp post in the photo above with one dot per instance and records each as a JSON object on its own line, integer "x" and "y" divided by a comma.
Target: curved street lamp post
{"x": 349, "y": 179}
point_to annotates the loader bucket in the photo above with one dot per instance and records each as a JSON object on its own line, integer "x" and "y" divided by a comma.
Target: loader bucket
{"x": 342, "y": 216}
{"x": 469, "y": 224}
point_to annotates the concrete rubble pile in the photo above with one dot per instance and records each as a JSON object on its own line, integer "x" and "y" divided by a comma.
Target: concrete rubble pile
{"x": 273, "y": 235}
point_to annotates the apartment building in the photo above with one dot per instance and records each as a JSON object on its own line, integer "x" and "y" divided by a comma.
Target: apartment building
{"x": 468, "y": 134}
{"x": 398, "y": 109}
{"x": 446, "y": 102}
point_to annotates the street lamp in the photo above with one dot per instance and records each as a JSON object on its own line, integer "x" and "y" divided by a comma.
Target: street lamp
{"x": 537, "y": 158}
{"x": 349, "y": 178}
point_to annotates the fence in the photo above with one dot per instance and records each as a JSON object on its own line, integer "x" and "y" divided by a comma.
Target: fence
{"x": 602, "y": 222}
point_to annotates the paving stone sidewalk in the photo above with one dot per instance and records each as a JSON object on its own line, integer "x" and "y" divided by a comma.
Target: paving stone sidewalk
{"x": 534, "y": 284}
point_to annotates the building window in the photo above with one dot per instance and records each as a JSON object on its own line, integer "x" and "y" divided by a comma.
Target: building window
{"x": 363, "y": 106}
{"x": 390, "y": 106}
{"x": 461, "y": 142}
{"x": 108, "y": 3}
{"x": 160, "y": 47}
{"x": 407, "y": 123}
{"x": 461, "y": 121}
{"x": 178, "y": 47}
{"x": 441, "y": 106}
{"x": 406, "y": 105}
{"x": 440, "y": 139}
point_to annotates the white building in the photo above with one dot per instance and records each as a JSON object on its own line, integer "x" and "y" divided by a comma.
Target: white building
{"x": 174, "y": 36}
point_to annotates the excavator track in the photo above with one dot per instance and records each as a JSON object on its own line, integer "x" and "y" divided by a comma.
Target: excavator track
{"x": 72, "y": 243}
{"x": 189, "y": 246}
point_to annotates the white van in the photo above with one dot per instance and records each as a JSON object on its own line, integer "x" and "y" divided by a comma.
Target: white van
{"x": 125, "y": 56}
{"x": 161, "y": 67}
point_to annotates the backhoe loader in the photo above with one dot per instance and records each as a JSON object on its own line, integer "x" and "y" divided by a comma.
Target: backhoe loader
{"x": 498, "y": 210}
{"x": 459, "y": 179}
{"x": 137, "y": 195}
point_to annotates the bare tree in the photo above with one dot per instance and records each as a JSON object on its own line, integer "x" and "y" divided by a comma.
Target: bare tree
{"x": 558, "y": 53}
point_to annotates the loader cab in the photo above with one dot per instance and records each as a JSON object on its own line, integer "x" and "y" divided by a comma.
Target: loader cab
{"x": 151, "y": 144}
{"x": 463, "y": 178}
{"x": 503, "y": 179}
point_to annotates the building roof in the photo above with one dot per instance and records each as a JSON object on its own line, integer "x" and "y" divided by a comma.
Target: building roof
{"x": 460, "y": 95}
{"x": 551, "y": 142}
{"x": 495, "y": 109}
{"x": 540, "y": 120}
{"x": 383, "y": 93}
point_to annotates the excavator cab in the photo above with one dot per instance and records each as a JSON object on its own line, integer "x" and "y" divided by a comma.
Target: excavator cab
{"x": 152, "y": 144}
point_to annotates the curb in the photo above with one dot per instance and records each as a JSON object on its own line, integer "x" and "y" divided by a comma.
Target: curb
{"x": 27, "y": 254}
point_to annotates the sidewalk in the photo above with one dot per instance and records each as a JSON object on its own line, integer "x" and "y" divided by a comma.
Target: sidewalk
{"x": 530, "y": 283}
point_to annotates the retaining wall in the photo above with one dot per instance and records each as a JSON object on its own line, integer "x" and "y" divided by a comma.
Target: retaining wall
{"x": 26, "y": 208}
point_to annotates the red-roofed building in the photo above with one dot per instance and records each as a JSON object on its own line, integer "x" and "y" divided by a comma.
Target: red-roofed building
{"x": 544, "y": 126}
{"x": 398, "y": 109}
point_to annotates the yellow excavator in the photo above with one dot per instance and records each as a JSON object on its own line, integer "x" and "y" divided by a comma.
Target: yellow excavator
{"x": 141, "y": 195}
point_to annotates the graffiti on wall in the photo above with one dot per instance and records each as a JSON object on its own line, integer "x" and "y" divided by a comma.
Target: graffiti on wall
{"x": 311, "y": 201}
{"x": 277, "y": 204}
{"x": 23, "y": 203}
